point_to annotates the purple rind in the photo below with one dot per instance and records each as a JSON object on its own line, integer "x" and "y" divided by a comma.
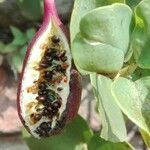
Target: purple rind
{"x": 75, "y": 81}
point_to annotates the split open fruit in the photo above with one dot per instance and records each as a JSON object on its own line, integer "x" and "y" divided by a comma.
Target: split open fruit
{"x": 49, "y": 90}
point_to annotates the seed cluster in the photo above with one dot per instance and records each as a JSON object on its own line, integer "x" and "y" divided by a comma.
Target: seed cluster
{"x": 43, "y": 129}
{"x": 52, "y": 69}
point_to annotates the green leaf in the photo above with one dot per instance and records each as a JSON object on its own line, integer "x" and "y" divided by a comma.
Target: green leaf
{"x": 139, "y": 73}
{"x": 19, "y": 37}
{"x": 113, "y": 125}
{"x": 79, "y": 10}
{"x": 23, "y": 51}
{"x": 143, "y": 11}
{"x": 146, "y": 138}
{"x": 2, "y": 46}
{"x": 96, "y": 143}
{"x": 9, "y": 48}
{"x": 30, "y": 33}
{"x": 138, "y": 40}
{"x": 75, "y": 134}
{"x": 17, "y": 62}
{"x": 115, "y": 1}
{"x": 110, "y": 25}
{"x": 134, "y": 100}
{"x": 144, "y": 59}
{"x": 102, "y": 58}
{"x": 143, "y": 40}
{"x": 31, "y": 9}
{"x": 1, "y": 59}
{"x": 83, "y": 7}
{"x": 101, "y": 45}
{"x": 132, "y": 3}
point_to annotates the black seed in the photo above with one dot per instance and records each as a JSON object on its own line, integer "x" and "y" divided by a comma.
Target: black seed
{"x": 50, "y": 51}
{"x": 48, "y": 75}
{"x": 44, "y": 65}
{"x": 59, "y": 89}
{"x": 64, "y": 58}
{"x": 49, "y": 109}
{"x": 54, "y": 111}
{"x": 48, "y": 60}
{"x": 46, "y": 103}
{"x": 42, "y": 85}
{"x": 43, "y": 92}
{"x": 55, "y": 56}
{"x": 62, "y": 54}
{"x": 56, "y": 104}
{"x": 43, "y": 125}
{"x": 55, "y": 39}
{"x": 46, "y": 126}
{"x": 45, "y": 112}
{"x": 37, "y": 117}
{"x": 60, "y": 69}
{"x": 38, "y": 129}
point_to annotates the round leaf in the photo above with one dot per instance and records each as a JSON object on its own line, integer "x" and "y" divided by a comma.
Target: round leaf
{"x": 108, "y": 25}
{"x": 103, "y": 40}
{"x": 97, "y": 57}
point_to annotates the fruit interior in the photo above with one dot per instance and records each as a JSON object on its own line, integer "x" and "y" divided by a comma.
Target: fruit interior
{"x": 45, "y": 82}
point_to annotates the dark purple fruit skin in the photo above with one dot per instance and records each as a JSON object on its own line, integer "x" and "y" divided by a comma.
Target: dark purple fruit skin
{"x": 74, "y": 98}
{"x": 75, "y": 89}
{"x": 35, "y": 38}
{"x": 75, "y": 81}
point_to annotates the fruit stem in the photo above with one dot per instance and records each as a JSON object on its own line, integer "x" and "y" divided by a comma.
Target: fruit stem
{"x": 50, "y": 11}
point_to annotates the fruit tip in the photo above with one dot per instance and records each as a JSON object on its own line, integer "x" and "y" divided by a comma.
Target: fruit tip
{"x": 51, "y": 11}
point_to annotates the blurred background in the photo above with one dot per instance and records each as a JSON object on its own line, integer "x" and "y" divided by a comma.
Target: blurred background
{"x": 19, "y": 20}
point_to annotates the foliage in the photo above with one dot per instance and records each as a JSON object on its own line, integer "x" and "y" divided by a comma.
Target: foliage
{"x": 15, "y": 51}
{"x": 30, "y": 9}
{"x": 113, "y": 127}
{"x": 110, "y": 43}
{"x": 114, "y": 42}
{"x": 76, "y": 136}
